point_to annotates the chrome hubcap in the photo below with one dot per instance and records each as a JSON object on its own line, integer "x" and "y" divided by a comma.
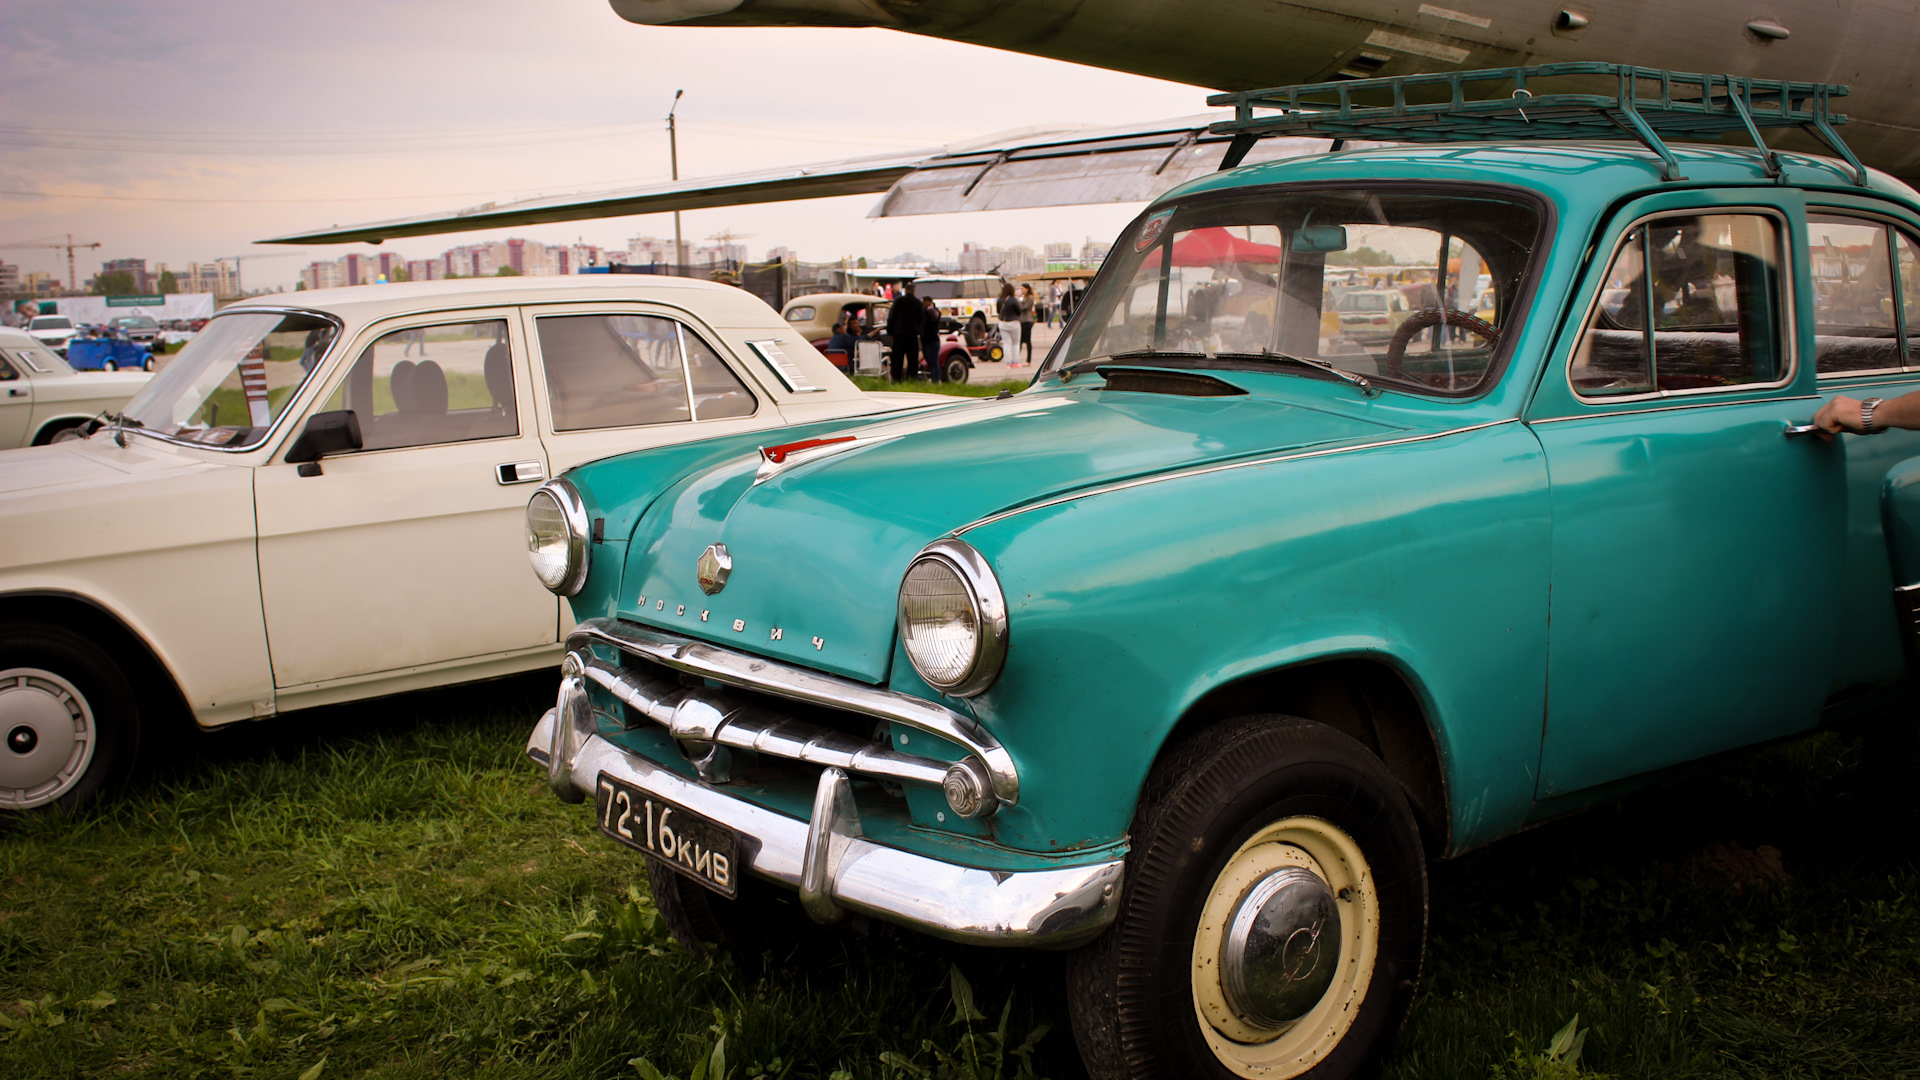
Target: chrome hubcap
{"x": 1281, "y": 948}
{"x": 48, "y": 739}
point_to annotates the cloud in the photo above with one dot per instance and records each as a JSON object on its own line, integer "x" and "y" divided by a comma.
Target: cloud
{"x": 362, "y": 110}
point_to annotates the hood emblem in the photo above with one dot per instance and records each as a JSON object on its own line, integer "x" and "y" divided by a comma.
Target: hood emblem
{"x": 715, "y": 565}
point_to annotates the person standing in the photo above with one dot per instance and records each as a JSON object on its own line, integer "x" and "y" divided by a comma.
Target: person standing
{"x": 903, "y": 326}
{"x": 1053, "y": 301}
{"x": 1009, "y": 312}
{"x": 930, "y": 339}
{"x": 1026, "y": 323}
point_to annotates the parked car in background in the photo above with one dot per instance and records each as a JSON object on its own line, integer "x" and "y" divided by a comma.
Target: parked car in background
{"x": 1189, "y": 656}
{"x": 814, "y": 315}
{"x": 53, "y": 331}
{"x": 319, "y": 499}
{"x": 43, "y": 400}
{"x": 107, "y": 349}
{"x": 141, "y": 328}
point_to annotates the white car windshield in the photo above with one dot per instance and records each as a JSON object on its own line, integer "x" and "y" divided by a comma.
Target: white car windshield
{"x": 1376, "y": 284}
{"x": 229, "y": 384}
{"x": 51, "y": 322}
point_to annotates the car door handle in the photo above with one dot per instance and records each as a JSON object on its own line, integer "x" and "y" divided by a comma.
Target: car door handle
{"x": 519, "y": 472}
{"x": 1794, "y": 430}
{"x": 15, "y": 392}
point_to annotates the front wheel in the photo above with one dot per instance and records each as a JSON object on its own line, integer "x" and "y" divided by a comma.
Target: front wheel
{"x": 69, "y": 725}
{"x": 956, "y": 370}
{"x": 1274, "y": 915}
{"x": 108, "y": 365}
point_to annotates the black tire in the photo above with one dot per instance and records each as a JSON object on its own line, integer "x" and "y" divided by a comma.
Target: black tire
{"x": 1134, "y": 992}
{"x": 69, "y": 720}
{"x": 108, "y": 365}
{"x": 762, "y": 918}
{"x": 957, "y": 370}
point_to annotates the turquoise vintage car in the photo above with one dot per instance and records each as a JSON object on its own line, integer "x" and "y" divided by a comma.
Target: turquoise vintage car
{"x": 1190, "y": 656}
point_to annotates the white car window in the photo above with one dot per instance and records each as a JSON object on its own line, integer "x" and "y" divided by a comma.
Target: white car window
{"x": 446, "y": 383}
{"x": 613, "y": 371}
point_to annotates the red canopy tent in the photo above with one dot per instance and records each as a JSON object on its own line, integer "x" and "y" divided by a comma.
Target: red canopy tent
{"x": 1214, "y": 246}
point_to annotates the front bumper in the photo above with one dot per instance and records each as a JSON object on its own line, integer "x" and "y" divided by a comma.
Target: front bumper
{"x": 835, "y": 868}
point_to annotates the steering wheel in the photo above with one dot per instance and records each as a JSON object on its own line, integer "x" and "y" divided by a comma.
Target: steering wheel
{"x": 1392, "y": 365}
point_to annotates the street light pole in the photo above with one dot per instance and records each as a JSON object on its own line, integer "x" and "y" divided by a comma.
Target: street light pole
{"x": 673, "y": 153}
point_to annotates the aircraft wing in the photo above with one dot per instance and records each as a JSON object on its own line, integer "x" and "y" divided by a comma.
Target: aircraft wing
{"x": 1017, "y": 170}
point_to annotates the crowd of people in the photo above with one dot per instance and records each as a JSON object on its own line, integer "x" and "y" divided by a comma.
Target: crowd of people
{"x": 912, "y": 328}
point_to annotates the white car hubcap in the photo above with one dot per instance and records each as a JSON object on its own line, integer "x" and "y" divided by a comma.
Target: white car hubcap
{"x": 1285, "y": 949}
{"x": 47, "y": 737}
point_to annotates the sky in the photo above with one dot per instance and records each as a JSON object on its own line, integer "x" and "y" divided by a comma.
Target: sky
{"x": 182, "y": 132}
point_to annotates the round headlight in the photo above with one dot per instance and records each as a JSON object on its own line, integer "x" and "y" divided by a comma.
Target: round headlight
{"x": 557, "y": 537}
{"x": 953, "y": 619}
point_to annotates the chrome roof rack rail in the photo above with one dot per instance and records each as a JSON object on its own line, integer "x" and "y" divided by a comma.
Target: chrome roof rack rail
{"x": 1647, "y": 105}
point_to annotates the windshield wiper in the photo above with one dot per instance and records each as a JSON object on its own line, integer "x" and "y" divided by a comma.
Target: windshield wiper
{"x": 1359, "y": 382}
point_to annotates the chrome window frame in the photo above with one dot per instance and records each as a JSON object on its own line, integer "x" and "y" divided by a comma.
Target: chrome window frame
{"x": 1893, "y": 258}
{"x": 1789, "y": 326}
{"x": 293, "y": 400}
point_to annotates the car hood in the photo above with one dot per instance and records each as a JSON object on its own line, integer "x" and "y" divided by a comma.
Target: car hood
{"x": 818, "y": 544}
{"x": 82, "y": 468}
{"x": 102, "y": 386}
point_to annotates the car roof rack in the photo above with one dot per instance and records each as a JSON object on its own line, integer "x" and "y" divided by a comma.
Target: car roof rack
{"x": 1676, "y": 104}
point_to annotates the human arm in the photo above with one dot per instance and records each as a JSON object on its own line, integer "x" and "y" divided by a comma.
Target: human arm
{"x": 1843, "y": 414}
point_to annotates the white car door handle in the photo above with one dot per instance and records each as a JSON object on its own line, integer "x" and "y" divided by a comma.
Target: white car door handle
{"x": 519, "y": 472}
{"x": 14, "y": 391}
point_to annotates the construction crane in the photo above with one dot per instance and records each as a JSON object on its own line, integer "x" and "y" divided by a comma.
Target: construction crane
{"x": 73, "y": 284}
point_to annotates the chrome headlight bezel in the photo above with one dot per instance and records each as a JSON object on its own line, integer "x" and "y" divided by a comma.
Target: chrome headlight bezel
{"x": 989, "y": 610}
{"x": 573, "y": 511}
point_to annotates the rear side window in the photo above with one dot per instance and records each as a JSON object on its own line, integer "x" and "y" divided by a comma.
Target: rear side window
{"x": 1863, "y": 295}
{"x": 607, "y": 371}
{"x": 803, "y": 313}
{"x": 1690, "y": 302}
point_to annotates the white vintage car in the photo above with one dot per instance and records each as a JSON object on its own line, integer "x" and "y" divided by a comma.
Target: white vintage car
{"x": 321, "y": 499}
{"x": 42, "y": 399}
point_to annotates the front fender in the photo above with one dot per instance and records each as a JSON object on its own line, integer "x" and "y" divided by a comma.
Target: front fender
{"x": 1128, "y": 607}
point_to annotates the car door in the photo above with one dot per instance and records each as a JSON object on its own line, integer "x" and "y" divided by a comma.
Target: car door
{"x": 410, "y": 553}
{"x": 16, "y": 402}
{"x": 613, "y": 378}
{"x": 1693, "y": 540}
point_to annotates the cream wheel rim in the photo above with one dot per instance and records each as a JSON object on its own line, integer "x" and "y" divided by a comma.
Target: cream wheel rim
{"x": 1254, "y": 1046}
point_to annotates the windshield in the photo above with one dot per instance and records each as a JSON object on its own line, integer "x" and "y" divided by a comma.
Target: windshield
{"x": 228, "y": 385}
{"x": 51, "y": 322}
{"x": 1382, "y": 283}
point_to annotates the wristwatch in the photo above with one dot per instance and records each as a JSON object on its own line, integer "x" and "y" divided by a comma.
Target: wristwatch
{"x": 1866, "y": 416}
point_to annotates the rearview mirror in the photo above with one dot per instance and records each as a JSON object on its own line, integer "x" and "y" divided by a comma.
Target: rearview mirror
{"x": 1321, "y": 238}
{"x": 326, "y": 433}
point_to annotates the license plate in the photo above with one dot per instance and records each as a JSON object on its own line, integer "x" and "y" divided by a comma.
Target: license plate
{"x": 698, "y": 847}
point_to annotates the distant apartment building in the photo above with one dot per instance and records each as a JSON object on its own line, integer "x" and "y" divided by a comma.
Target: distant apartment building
{"x": 143, "y": 282}
{"x": 9, "y": 277}
{"x": 1058, "y": 251}
{"x": 1021, "y": 260}
{"x": 1094, "y": 252}
{"x": 215, "y": 277}
{"x": 324, "y": 275}
{"x": 40, "y": 283}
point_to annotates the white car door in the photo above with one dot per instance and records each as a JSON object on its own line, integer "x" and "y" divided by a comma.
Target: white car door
{"x": 410, "y": 553}
{"x": 16, "y": 403}
{"x": 615, "y": 378}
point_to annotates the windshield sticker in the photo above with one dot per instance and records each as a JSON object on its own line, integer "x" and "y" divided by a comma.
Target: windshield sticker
{"x": 789, "y": 372}
{"x": 1151, "y": 231}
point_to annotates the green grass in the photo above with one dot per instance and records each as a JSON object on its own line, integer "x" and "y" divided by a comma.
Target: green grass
{"x": 391, "y": 891}
{"x": 968, "y": 389}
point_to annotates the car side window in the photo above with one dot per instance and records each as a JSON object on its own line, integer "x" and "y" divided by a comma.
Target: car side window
{"x": 717, "y": 392}
{"x": 1856, "y": 318}
{"x": 1690, "y": 302}
{"x": 613, "y": 370}
{"x": 450, "y": 382}
{"x": 1907, "y": 259}
{"x": 7, "y": 373}
{"x": 803, "y": 313}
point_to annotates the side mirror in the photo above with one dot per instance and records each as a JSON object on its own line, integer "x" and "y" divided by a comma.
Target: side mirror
{"x": 326, "y": 433}
{"x": 1320, "y": 238}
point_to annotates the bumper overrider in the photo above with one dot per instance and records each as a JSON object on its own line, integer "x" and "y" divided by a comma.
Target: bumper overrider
{"x": 835, "y": 869}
